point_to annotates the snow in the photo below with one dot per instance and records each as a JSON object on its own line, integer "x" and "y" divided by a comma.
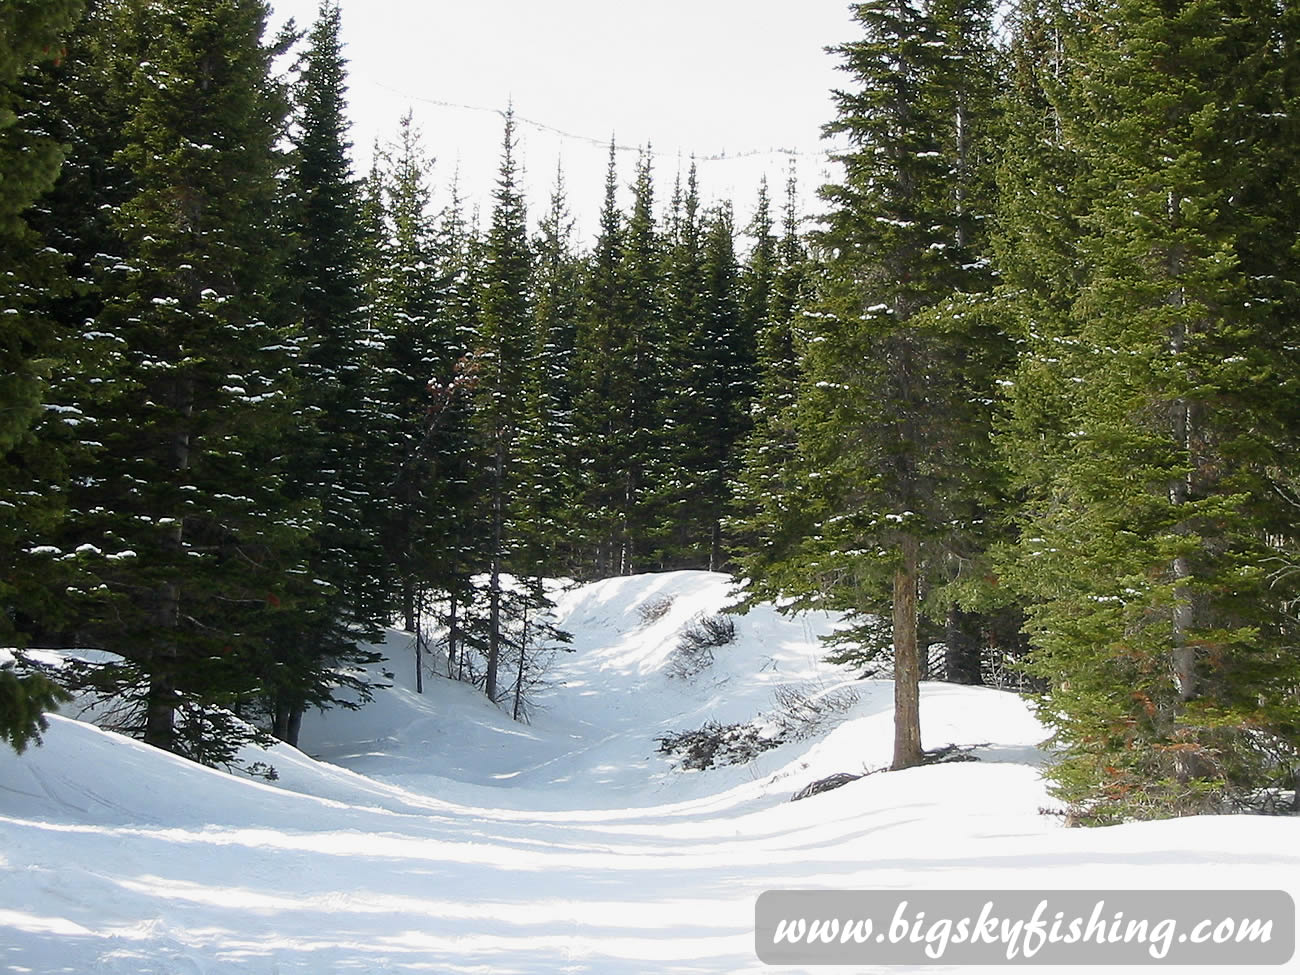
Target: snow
{"x": 430, "y": 833}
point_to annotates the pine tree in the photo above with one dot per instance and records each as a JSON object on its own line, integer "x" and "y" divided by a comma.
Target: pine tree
{"x": 502, "y": 355}
{"x": 889, "y": 441}
{"x": 1152, "y": 465}
{"x": 598, "y": 392}
{"x": 758, "y": 278}
{"x": 30, "y": 160}
{"x": 414, "y": 346}
{"x": 462, "y": 524}
{"x": 709, "y": 332}
{"x": 638, "y": 369}
{"x": 546, "y": 448}
{"x": 318, "y": 638}
{"x": 684, "y": 280}
{"x": 187, "y": 533}
{"x": 726, "y": 382}
{"x": 767, "y": 519}
{"x": 30, "y": 36}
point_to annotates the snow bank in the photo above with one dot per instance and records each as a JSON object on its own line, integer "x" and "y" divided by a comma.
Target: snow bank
{"x": 429, "y": 833}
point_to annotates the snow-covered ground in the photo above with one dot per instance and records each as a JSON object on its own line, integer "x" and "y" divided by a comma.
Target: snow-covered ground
{"x": 430, "y": 833}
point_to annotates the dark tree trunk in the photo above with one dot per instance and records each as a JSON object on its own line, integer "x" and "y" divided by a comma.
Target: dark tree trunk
{"x": 962, "y": 632}
{"x": 280, "y": 719}
{"x": 494, "y": 584}
{"x": 453, "y": 634}
{"x": 408, "y": 607}
{"x": 419, "y": 646}
{"x": 519, "y": 677}
{"x": 907, "y": 660}
{"x": 160, "y": 714}
{"x": 295, "y": 725}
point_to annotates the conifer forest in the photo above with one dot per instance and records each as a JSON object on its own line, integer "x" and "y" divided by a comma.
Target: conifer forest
{"x": 1020, "y": 397}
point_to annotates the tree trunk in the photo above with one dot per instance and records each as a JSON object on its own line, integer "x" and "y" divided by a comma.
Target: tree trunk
{"x": 519, "y": 677}
{"x": 907, "y": 660}
{"x": 295, "y": 725}
{"x": 160, "y": 708}
{"x": 408, "y": 606}
{"x": 420, "y": 606}
{"x": 1180, "y": 491}
{"x": 1184, "y": 613}
{"x": 494, "y": 584}
{"x": 419, "y": 660}
{"x": 160, "y": 714}
{"x": 962, "y": 639}
{"x": 453, "y": 633}
{"x": 280, "y": 718}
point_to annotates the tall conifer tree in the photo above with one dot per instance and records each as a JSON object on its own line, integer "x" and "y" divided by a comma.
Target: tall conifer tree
{"x": 325, "y": 287}
{"x": 31, "y": 35}
{"x": 188, "y": 532}
{"x": 597, "y": 381}
{"x": 885, "y": 418}
{"x": 503, "y": 352}
{"x": 1154, "y": 506}
{"x": 766, "y": 518}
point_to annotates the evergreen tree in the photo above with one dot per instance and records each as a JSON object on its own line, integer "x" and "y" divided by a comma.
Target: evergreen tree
{"x": 187, "y": 533}
{"x": 638, "y": 372}
{"x": 413, "y": 345}
{"x": 30, "y": 159}
{"x": 546, "y": 448}
{"x": 598, "y": 391}
{"x": 463, "y": 523}
{"x": 684, "y": 280}
{"x": 767, "y": 516}
{"x": 1152, "y": 464}
{"x": 502, "y": 355}
{"x": 758, "y": 277}
{"x": 888, "y": 415}
{"x": 325, "y": 275}
{"x": 30, "y": 37}
{"x": 724, "y": 384}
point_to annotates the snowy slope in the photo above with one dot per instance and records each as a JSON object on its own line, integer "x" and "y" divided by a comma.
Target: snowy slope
{"x": 432, "y": 834}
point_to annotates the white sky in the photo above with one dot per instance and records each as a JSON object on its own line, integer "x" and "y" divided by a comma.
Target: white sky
{"x": 709, "y": 77}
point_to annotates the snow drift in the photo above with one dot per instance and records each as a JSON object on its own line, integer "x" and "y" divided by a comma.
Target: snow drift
{"x": 430, "y": 833}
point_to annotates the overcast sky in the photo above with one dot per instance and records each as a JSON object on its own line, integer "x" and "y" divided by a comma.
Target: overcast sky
{"x": 709, "y": 77}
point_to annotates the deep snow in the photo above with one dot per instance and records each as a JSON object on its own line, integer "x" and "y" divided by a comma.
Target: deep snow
{"x": 433, "y": 834}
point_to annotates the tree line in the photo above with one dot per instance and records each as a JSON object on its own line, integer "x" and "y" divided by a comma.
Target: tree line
{"x": 264, "y": 406}
{"x": 1024, "y": 391}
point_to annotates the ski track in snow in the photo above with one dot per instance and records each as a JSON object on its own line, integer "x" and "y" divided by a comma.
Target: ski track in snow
{"x": 431, "y": 834}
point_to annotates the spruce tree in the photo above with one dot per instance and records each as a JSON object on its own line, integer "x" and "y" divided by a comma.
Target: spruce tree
{"x": 724, "y": 383}
{"x": 547, "y": 456}
{"x": 638, "y": 369}
{"x": 324, "y": 270}
{"x": 758, "y": 278}
{"x": 502, "y": 353}
{"x": 1155, "y": 465}
{"x": 414, "y": 351}
{"x": 684, "y": 281}
{"x": 766, "y": 517}
{"x": 596, "y": 374}
{"x": 187, "y": 533}
{"x": 31, "y": 36}
{"x": 889, "y": 439}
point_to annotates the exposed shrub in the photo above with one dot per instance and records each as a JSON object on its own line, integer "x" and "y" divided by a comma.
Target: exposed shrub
{"x": 825, "y": 785}
{"x": 717, "y": 744}
{"x": 694, "y": 651}
{"x": 654, "y": 609}
{"x": 709, "y": 631}
{"x": 802, "y": 710}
